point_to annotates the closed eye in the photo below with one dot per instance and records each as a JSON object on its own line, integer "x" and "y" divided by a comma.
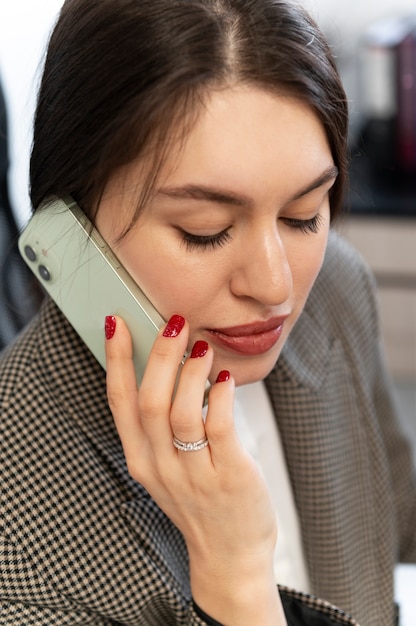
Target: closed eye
{"x": 203, "y": 242}
{"x": 311, "y": 225}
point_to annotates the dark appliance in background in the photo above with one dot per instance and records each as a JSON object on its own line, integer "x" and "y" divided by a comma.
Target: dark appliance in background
{"x": 388, "y": 82}
{"x": 383, "y": 151}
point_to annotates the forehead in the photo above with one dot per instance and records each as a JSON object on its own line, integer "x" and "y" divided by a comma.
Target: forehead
{"x": 245, "y": 137}
{"x": 244, "y": 142}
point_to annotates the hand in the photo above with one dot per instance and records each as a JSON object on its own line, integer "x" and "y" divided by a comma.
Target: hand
{"x": 215, "y": 496}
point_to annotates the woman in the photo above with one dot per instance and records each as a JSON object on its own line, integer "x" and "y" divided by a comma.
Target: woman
{"x": 207, "y": 142}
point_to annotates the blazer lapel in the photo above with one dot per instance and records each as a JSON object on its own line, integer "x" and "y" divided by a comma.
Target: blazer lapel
{"x": 325, "y": 437}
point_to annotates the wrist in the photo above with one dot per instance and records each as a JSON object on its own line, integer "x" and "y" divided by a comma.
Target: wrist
{"x": 237, "y": 598}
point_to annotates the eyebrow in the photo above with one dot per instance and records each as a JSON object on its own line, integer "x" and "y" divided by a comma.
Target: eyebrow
{"x": 220, "y": 196}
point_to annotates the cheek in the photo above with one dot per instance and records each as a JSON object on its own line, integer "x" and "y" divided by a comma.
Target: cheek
{"x": 305, "y": 267}
{"x": 171, "y": 282}
{"x": 160, "y": 281}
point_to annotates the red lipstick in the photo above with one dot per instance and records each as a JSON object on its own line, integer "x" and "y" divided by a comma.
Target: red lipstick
{"x": 250, "y": 339}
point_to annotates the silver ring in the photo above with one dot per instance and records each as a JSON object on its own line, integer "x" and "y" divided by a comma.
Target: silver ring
{"x": 190, "y": 446}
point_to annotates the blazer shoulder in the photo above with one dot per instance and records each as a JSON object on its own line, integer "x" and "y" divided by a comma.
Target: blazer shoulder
{"x": 17, "y": 361}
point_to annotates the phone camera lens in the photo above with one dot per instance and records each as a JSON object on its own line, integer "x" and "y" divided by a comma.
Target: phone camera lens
{"x": 44, "y": 272}
{"x": 30, "y": 253}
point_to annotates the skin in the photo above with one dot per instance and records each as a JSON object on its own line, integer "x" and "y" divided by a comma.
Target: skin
{"x": 270, "y": 155}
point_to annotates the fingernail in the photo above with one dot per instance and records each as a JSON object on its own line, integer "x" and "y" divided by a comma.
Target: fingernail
{"x": 174, "y": 326}
{"x": 223, "y": 376}
{"x": 110, "y": 326}
{"x": 199, "y": 350}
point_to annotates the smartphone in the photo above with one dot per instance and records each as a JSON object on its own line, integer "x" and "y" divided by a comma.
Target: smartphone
{"x": 86, "y": 280}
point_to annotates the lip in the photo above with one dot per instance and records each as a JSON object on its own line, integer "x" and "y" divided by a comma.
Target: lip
{"x": 250, "y": 339}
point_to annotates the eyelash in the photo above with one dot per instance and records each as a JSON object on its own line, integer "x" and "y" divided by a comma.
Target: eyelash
{"x": 206, "y": 241}
{"x": 305, "y": 226}
{"x": 203, "y": 242}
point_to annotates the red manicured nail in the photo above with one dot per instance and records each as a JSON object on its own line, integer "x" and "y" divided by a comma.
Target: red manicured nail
{"x": 110, "y": 326}
{"x": 223, "y": 376}
{"x": 199, "y": 350}
{"x": 174, "y": 326}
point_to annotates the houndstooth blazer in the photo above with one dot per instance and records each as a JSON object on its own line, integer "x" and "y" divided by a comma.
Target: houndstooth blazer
{"x": 82, "y": 543}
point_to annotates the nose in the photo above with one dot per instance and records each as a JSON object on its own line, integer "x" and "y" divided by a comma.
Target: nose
{"x": 264, "y": 273}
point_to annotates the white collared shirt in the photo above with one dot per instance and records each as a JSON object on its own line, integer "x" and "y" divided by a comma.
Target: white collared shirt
{"x": 258, "y": 433}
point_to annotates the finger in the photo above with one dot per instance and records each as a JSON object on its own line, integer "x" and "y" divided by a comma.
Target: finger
{"x": 158, "y": 383}
{"x": 219, "y": 425}
{"x": 186, "y": 415}
{"x": 122, "y": 386}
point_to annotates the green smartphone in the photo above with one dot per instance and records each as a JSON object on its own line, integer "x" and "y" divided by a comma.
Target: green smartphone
{"x": 86, "y": 280}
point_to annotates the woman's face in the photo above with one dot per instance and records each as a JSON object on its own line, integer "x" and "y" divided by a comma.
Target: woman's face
{"x": 235, "y": 234}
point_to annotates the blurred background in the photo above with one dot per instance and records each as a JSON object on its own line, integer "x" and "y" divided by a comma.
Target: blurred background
{"x": 375, "y": 48}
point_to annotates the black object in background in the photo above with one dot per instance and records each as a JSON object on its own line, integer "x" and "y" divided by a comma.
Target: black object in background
{"x": 383, "y": 151}
{"x": 20, "y": 293}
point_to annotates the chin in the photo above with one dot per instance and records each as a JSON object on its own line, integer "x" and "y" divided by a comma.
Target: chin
{"x": 248, "y": 379}
{"x": 248, "y": 369}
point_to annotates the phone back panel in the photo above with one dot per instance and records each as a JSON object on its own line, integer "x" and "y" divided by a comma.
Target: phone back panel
{"x": 86, "y": 280}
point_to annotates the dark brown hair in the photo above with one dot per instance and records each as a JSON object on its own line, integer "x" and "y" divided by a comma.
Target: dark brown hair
{"x": 121, "y": 74}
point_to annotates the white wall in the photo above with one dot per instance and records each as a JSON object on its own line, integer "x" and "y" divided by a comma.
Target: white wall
{"x": 25, "y": 24}
{"x": 349, "y": 17}
{"x": 24, "y": 28}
